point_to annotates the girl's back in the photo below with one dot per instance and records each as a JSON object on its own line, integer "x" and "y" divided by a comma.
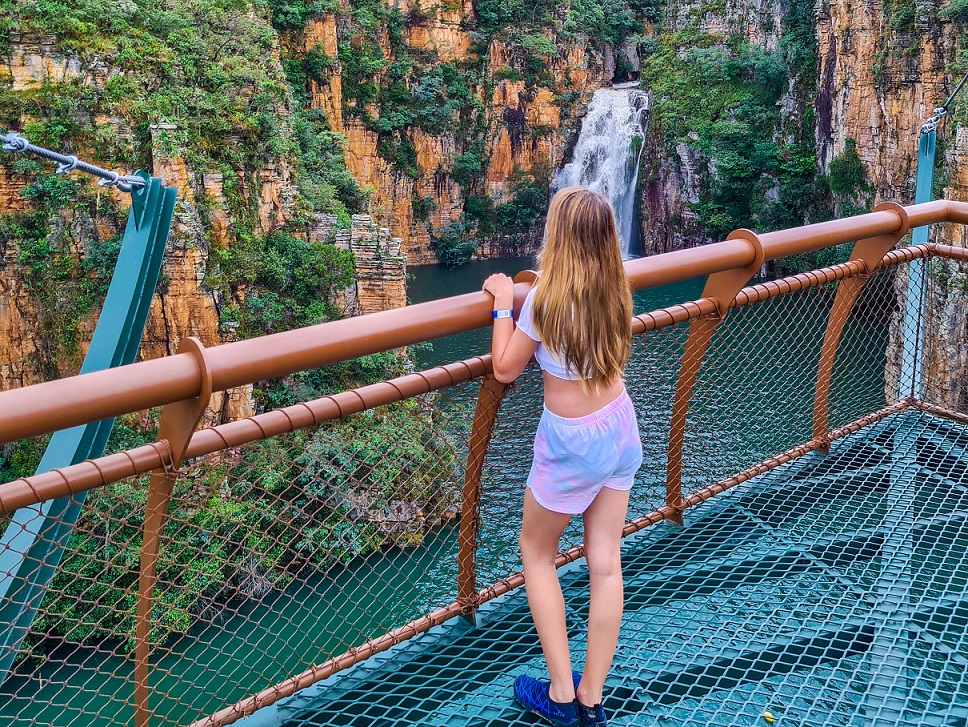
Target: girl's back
{"x": 576, "y": 322}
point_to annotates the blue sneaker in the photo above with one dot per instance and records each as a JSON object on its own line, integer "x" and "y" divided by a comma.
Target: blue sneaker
{"x": 533, "y": 695}
{"x": 591, "y": 716}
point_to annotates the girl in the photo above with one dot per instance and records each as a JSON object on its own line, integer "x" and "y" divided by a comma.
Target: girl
{"x": 576, "y": 322}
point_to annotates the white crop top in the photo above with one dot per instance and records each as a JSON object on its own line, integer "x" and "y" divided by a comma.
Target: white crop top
{"x": 547, "y": 361}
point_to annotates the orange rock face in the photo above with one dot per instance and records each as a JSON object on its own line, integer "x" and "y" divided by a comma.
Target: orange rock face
{"x": 525, "y": 128}
{"x": 877, "y": 87}
{"x": 437, "y": 28}
{"x": 32, "y": 62}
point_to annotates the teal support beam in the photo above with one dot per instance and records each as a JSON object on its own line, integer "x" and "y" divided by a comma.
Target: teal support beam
{"x": 33, "y": 544}
{"x": 910, "y": 383}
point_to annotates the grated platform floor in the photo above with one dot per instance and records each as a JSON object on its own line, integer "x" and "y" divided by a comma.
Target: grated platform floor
{"x": 830, "y": 591}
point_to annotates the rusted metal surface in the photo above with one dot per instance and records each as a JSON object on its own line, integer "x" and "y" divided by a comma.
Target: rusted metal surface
{"x": 47, "y": 407}
{"x": 485, "y": 415}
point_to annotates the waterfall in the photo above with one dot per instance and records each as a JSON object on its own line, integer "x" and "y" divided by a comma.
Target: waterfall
{"x": 606, "y": 156}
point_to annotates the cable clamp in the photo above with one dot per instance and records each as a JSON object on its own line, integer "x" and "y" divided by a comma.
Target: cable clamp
{"x": 69, "y": 166}
{"x": 932, "y": 124}
{"x": 15, "y": 142}
{"x": 109, "y": 181}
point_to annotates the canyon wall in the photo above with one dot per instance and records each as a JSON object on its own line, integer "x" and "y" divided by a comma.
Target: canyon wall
{"x": 881, "y": 76}
{"x": 526, "y": 128}
{"x": 210, "y": 208}
{"x": 876, "y": 75}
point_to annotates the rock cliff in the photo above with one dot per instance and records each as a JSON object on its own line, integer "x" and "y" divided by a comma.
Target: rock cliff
{"x": 525, "y": 128}
{"x": 443, "y": 124}
{"x": 883, "y": 69}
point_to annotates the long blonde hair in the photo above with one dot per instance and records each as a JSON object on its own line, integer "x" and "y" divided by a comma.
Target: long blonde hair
{"x": 582, "y": 305}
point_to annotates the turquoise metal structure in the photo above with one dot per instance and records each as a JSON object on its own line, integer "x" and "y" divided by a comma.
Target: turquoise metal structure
{"x": 799, "y": 594}
{"x": 33, "y": 543}
{"x": 927, "y": 139}
{"x": 911, "y": 371}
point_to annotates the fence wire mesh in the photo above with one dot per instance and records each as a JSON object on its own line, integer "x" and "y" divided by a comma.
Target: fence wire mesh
{"x": 829, "y": 591}
{"x": 863, "y": 380}
{"x": 281, "y": 554}
{"x": 72, "y": 667}
{"x": 754, "y": 392}
{"x": 945, "y": 334}
{"x": 276, "y": 556}
{"x": 503, "y": 479}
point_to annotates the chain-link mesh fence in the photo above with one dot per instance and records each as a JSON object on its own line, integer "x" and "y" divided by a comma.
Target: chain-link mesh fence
{"x": 862, "y": 381}
{"x": 754, "y": 392}
{"x": 281, "y": 554}
{"x": 318, "y": 541}
{"x": 73, "y": 667}
{"x": 829, "y": 591}
{"x": 276, "y": 556}
{"x": 505, "y": 473}
{"x": 945, "y": 338}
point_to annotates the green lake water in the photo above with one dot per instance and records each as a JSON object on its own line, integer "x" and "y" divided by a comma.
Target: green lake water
{"x": 751, "y": 402}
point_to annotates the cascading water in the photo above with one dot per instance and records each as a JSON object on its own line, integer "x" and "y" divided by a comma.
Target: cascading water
{"x": 606, "y": 156}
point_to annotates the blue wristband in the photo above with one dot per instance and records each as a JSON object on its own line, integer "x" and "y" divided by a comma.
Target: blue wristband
{"x": 502, "y": 313}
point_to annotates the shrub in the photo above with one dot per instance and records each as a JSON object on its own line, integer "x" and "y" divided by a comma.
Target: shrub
{"x": 956, "y": 11}
{"x": 470, "y": 165}
{"x": 453, "y": 245}
{"x": 847, "y": 171}
{"x": 422, "y": 207}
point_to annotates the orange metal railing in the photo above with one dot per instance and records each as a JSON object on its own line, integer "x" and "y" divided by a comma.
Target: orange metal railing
{"x": 226, "y": 462}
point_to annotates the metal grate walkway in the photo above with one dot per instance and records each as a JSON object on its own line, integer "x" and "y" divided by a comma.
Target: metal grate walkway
{"x": 830, "y": 591}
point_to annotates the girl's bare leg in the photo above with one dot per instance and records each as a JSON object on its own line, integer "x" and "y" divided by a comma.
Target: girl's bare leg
{"x": 604, "y": 520}
{"x": 540, "y": 532}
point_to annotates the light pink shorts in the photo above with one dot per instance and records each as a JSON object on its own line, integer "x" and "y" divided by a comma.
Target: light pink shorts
{"x": 574, "y": 458}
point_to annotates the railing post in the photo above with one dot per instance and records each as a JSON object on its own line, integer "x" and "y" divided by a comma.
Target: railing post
{"x": 723, "y": 287}
{"x": 178, "y": 422}
{"x": 910, "y": 382}
{"x": 489, "y": 398}
{"x": 869, "y": 252}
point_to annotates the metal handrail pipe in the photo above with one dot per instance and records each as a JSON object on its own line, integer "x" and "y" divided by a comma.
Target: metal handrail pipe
{"x": 63, "y": 403}
{"x": 83, "y": 476}
{"x": 939, "y": 210}
{"x": 954, "y": 253}
{"x": 798, "y": 240}
{"x": 95, "y": 473}
{"x": 693, "y": 262}
{"x": 47, "y": 407}
{"x": 302, "y": 349}
{"x": 90, "y": 474}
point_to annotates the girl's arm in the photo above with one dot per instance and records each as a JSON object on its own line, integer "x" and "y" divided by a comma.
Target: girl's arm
{"x": 510, "y": 349}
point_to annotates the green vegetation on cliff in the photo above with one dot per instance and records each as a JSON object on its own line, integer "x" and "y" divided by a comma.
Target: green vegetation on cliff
{"x": 720, "y": 99}
{"x": 63, "y": 281}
